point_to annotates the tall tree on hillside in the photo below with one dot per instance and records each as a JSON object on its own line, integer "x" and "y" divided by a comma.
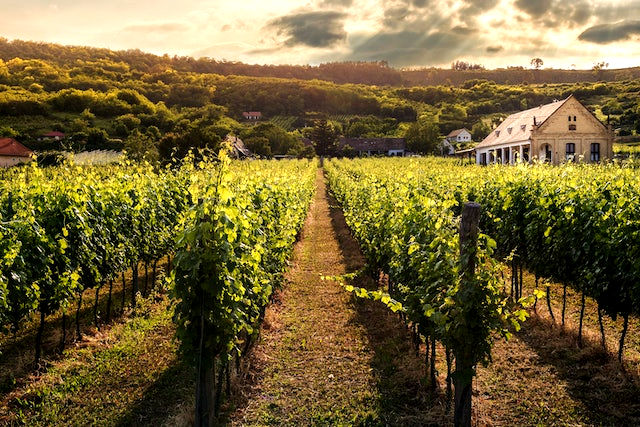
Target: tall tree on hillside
{"x": 537, "y": 63}
{"x": 423, "y": 137}
{"x": 598, "y": 68}
{"x": 325, "y": 138}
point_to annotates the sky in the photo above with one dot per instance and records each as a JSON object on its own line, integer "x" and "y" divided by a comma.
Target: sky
{"x": 406, "y": 33}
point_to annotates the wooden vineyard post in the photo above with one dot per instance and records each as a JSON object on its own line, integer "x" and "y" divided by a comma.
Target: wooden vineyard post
{"x": 464, "y": 354}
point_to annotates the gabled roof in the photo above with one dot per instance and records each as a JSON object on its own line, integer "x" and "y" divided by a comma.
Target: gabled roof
{"x": 11, "y": 147}
{"x": 239, "y": 149}
{"x": 252, "y": 114}
{"x": 518, "y": 126}
{"x": 53, "y": 134}
{"x": 456, "y": 132}
{"x": 374, "y": 144}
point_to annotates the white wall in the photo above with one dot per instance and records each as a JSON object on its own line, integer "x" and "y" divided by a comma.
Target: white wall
{"x": 8, "y": 161}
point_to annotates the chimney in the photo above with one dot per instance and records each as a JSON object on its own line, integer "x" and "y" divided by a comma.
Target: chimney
{"x": 534, "y": 121}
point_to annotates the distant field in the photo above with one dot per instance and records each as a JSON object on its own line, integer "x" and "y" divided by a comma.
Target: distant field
{"x": 285, "y": 122}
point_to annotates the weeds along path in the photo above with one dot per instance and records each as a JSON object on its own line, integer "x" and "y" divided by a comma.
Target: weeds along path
{"x": 323, "y": 359}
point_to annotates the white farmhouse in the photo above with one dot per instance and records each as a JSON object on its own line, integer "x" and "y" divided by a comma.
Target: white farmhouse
{"x": 459, "y": 135}
{"x": 561, "y": 131}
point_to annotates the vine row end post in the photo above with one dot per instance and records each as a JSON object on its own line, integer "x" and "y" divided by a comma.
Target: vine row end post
{"x": 464, "y": 355}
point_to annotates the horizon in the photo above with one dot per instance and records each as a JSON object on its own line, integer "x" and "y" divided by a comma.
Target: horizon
{"x": 405, "y": 33}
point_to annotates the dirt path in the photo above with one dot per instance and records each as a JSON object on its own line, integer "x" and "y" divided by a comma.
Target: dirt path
{"x": 322, "y": 358}
{"x": 325, "y": 359}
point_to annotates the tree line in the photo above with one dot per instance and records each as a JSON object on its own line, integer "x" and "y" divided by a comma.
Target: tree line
{"x": 358, "y": 72}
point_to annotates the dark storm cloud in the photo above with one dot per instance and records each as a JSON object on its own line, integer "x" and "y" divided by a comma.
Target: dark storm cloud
{"x": 459, "y": 29}
{"x": 411, "y": 47}
{"x": 394, "y": 17}
{"x": 314, "y": 29}
{"x": 494, "y": 49}
{"x": 618, "y": 11}
{"x": 402, "y": 13}
{"x": 534, "y": 8}
{"x": 607, "y": 33}
{"x": 343, "y": 3}
{"x": 557, "y": 13}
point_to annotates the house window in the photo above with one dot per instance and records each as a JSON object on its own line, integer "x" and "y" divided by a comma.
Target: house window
{"x": 570, "y": 151}
{"x": 572, "y": 127}
{"x": 569, "y": 118}
{"x": 595, "y": 152}
{"x": 574, "y": 118}
{"x": 497, "y": 133}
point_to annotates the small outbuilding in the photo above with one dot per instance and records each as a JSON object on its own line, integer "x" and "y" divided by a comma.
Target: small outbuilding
{"x": 375, "y": 146}
{"x": 55, "y": 135}
{"x": 252, "y": 115}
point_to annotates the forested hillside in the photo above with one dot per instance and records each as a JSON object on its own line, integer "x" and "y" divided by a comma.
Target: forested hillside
{"x": 159, "y": 106}
{"x": 374, "y": 73}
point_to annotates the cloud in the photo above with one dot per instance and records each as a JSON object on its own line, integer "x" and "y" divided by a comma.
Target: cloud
{"x": 610, "y": 12}
{"x": 394, "y": 16}
{"x": 162, "y": 27}
{"x": 557, "y": 14}
{"x": 534, "y": 8}
{"x": 475, "y": 6}
{"x": 314, "y": 29}
{"x": 407, "y": 47}
{"x": 494, "y": 49}
{"x": 334, "y": 3}
{"x": 607, "y": 33}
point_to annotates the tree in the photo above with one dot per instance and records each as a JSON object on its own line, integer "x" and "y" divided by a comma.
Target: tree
{"x": 258, "y": 145}
{"x": 141, "y": 147}
{"x": 279, "y": 140}
{"x": 452, "y": 116}
{"x": 88, "y": 116}
{"x": 598, "y": 68}
{"x": 479, "y": 131}
{"x": 423, "y": 137}
{"x": 324, "y": 137}
{"x": 8, "y": 132}
{"x": 537, "y": 63}
{"x": 187, "y": 137}
{"x": 96, "y": 139}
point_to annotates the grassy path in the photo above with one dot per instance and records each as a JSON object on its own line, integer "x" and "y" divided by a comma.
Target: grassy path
{"x": 323, "y": 359}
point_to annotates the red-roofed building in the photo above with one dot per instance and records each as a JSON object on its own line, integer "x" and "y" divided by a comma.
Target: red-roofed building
{"x": 13, "y": 153}
{"x": 53, "y": 135}
{"x": 252, "y": 115}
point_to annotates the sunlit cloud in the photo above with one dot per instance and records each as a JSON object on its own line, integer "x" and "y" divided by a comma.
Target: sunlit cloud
{"x": 496, "y": 33}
